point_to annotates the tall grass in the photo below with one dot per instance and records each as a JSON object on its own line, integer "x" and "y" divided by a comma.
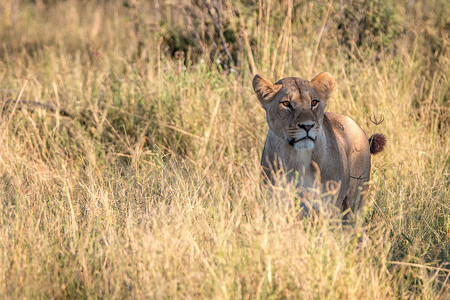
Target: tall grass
{"x": 151, "y": 189}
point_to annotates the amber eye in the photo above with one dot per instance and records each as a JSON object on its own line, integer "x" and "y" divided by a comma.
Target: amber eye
{"x": 314, "y": 103}
{"x": 286, "y": 103}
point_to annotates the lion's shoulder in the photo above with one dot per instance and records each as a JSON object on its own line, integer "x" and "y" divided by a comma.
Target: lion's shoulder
{"x": 345, "y": 126}
{"x": 347, "y": 132}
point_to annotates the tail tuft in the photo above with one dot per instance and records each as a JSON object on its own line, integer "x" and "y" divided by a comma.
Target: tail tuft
{"x": 377, "y": 143}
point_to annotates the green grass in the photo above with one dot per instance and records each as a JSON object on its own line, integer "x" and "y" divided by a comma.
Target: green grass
{"x": 152, "y": 188}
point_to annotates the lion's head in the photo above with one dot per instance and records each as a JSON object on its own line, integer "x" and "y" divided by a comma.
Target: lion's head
{"x": 295, "y": 107}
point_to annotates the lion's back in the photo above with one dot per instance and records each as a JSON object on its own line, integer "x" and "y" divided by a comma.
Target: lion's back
{"x": 349, "y": 132}
{"x": 354, "y": 142}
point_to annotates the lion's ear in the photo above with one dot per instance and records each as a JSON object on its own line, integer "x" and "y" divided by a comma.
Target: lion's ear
{"x": 323, "y": 85}
{"x": 264, "y": 89}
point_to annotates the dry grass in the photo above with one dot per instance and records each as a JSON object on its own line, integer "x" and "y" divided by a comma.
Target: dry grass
{"x": 151, "y": 189}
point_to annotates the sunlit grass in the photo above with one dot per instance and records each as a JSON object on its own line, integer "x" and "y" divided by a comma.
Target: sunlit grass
{"x": 152, "y": 187}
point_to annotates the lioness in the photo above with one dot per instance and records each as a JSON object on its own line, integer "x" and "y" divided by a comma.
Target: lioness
{"x": 305, "y": 141}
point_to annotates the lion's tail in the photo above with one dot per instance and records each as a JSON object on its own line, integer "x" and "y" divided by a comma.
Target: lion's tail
{"x": 377, "y": 143}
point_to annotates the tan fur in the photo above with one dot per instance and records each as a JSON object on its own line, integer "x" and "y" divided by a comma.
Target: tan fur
{"x": 337, "y": 149}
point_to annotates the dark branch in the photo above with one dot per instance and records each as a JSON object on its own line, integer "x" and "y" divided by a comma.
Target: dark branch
{"x": 217, "y": 21}
{"x": 377, "y": 119}
{"x": 46, "y": 106}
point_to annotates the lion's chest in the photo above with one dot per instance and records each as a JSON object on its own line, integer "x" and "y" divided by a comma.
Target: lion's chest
{"x": 299, "y": 167}
{"x": 306, "y": 167}
{"x": 296, "y": 164}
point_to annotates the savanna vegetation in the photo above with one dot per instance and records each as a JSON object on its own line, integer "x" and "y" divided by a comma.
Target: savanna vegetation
{"x": 130, "y": 140}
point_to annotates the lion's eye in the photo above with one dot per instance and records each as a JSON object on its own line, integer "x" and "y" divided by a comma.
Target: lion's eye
{"x": 314, "y": 103}
{"x": 286, "y": 103}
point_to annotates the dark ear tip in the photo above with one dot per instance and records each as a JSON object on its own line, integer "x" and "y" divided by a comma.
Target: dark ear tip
{"x": 257, "y": 81}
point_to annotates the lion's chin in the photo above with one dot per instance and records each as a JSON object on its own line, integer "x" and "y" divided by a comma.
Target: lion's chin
{"x": 305, "y": 144}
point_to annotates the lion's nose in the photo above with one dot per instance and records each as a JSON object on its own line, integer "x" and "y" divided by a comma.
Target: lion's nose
{"x": 307, "y": 127}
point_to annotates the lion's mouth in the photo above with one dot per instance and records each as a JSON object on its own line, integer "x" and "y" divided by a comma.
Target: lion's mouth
{"x": 293, "y": 141}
